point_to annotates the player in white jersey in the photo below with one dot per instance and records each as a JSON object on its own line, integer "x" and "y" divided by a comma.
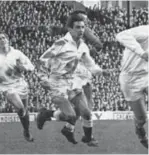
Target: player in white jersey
{"x": 66, "y": 58}
{"x": 134, "y": 74}
{"x": 83, "y": 78}
{"x": 12, "y": 63}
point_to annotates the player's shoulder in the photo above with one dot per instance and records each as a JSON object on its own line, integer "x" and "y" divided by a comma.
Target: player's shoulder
{"x": 140, "y": 28}
{"x": 14, "y": 50}
{"x": 143, "y": 26}
{"x": 61, "y": 42}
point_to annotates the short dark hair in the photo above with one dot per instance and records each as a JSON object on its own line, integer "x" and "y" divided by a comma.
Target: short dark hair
{"x": 1, "y": 32}
{"x": 78, "y": 12}
{"x": 74, "y": 18}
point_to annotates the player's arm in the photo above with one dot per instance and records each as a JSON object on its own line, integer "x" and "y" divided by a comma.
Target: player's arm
{"x": 53, "y": 50}
{"x": 51, "y": 53}
{"x": 23, "y": 63}
{"x": 44, "y": 61}
{"x": 93, "y": 67}
{"x": 90, "y": 63}
{"x": 130, "y": 39}
{"x": 44, "y": 67}
{"x": 90, "y": 36}
{"x": 48, "y": 54}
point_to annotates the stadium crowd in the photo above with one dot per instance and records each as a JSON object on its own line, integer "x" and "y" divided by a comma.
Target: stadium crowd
{"x": 32, "y": 28}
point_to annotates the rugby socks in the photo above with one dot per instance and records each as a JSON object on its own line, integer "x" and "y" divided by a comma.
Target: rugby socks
{"x": 25, "y": 121}
{"x": 87, "y": 128}
{"x": 70, "y": 127}
{"x": 88, "y": 132}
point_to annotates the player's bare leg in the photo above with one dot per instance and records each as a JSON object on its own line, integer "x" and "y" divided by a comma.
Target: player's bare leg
{"x": 88, "y": 93}
{"x": 22, "y": 112}
{"x": 139, "y": 110}
{"x": 83, "y": 110}
{"x": 64, "y": 113}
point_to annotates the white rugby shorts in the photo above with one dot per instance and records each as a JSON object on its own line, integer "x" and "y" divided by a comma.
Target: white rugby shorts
{"x": 133, "y": 86}
{"x": 20, "y": 87}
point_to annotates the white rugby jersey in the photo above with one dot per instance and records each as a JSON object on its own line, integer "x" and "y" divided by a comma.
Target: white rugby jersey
{"x": 64, "y": 57}
{"x": 9, "y": 73}
{"x": 135, "y": 41}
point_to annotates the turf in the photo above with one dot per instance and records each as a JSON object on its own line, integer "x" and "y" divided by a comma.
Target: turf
{"x": 114, "y": 137}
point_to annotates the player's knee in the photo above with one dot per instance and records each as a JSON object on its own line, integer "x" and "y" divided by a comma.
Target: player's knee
{"x": 72, "y": 118}
{"x": 10, "y": 95}
{"x": 58, "y": 100}
{"x": 21, "y": 112}
{"x": 55, "y": 100}
{"x": 87, "y": 114}
{"x": 141, "y": 120}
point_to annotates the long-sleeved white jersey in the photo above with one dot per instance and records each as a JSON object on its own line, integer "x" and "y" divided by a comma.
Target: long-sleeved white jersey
{"x": 64, "y": 57}
{"x": 135, "y": 41}
{"x": 9, "y": 73}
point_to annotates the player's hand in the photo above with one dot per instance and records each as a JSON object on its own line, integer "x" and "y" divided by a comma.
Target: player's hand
{"x": 145, "y": 56}
{"x": 45, "y": 84}
{"x": 39, "y": 64}
{"x": 19, "y": 65}
{"x": 107, "y": 72}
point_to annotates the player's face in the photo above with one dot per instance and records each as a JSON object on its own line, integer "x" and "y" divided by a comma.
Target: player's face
{"x": 78, "y": 29}
{"x": 4, "y": 43}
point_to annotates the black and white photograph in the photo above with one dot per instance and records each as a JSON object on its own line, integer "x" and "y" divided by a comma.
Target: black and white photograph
{"x": 74, "y": 77}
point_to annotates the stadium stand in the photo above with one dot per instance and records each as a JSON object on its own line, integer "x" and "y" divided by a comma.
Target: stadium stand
{"x": 32, "y": 28}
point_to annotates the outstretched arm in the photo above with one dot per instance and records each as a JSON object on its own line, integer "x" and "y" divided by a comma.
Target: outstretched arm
{"x": 23, "y": 63}
{"x": 90, "y": 63}
{"x": 93, "y": 67}
{"x": 131, "y": 39}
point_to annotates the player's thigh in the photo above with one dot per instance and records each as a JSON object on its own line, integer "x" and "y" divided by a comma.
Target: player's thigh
{"x": 88, "y": 93}
{"x": 133, "y": 86}
{"x": 139, "y": 108}
{"x": 64, "y": 105}
{"x": 14, "y": 98}
{"x": 81, "y": 106}
{"x": 25, "y": 102}
{"x": 88, "y": 90}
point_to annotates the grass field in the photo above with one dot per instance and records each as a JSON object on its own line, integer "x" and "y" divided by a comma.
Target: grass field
{"x": 114, "y": 137}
